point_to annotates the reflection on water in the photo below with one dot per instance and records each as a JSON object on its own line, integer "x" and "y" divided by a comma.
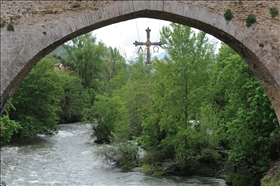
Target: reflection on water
{"x": 68, "y": 159}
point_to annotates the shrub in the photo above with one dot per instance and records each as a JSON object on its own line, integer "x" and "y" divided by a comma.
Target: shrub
{"x": 7, "y": 128}
{"x": 239, "y": 180}
{"x": 273, "y": 176}
{"x": 250, "y": 20}
{"x": 242, "y": 180}
{"x": 146, "y": 168}
{"x": 124, "y": 155}
{"x": 10, "y": 27}
{"x": 273, "y": 12}
{"x": 229, "y": 179}
{"x": 261, "y": 45}
{"x": 228, "y": 15}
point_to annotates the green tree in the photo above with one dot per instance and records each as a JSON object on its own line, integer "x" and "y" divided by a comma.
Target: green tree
{"x": 7, "y": 126}
{"x": 114, "y": 76}
{"x": 96, "y": 66}
{"x": 86, "y": 59}
{"x": 136, "y": 93}
{"x": 179, "y": 85}
{"x": 73, "y": 99}
{"x": 246, "y": 119}
{"x": 190, "y": 57}
{"x": 37, "y": 100}
{"x": 109, "y": 114}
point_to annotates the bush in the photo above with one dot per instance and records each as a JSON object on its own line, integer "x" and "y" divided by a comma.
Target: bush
{"x": 157, "y": 163}
{"x": 209, "y": 155}
{"x": 124, "y": 155}
{"x": 273, "y": 176}
{"x": 273, "y": 12}
{"x": 229, "y": 179}
{"x": 102, "y": 133}
{"x": 161, "y": 168}
{"x": 228, "y": 15}
{"x": 7, "y": 129}
{"x": 146, "y": 168}
{"x": 250, "y": 20}
{"x": 10, "y": 27}
{"x": 239, "y": 180}
{"x": 111, "y": 116}
{"x": 242, "y": 180}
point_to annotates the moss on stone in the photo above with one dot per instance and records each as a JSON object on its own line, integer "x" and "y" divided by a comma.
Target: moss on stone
{"x": 15, "y": 17}
{"x": 2, "y": 22}
{"x": 75, "y": 6}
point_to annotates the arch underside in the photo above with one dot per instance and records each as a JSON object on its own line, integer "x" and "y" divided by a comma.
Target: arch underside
{"x": 268, "y": 80}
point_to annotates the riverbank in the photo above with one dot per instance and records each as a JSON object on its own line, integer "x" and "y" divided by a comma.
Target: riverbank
{"x": 68, "y": 158}
{"x": 272, "y": 177}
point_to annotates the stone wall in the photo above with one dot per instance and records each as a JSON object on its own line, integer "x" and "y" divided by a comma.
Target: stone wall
{"x": 41, "y": 26}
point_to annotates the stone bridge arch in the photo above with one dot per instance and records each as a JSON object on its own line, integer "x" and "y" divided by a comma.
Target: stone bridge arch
{"x": 41, "y": 26}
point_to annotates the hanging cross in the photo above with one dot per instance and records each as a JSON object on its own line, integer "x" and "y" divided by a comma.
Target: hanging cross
{"x": 148, "y": 43}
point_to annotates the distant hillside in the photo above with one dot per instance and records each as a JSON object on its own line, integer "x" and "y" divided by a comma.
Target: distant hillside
{"x": 161, "y": 55}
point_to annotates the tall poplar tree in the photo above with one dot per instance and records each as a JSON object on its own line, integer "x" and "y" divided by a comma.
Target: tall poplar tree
{"x": 86, "y": 58}
{"x": 179, "y": 83}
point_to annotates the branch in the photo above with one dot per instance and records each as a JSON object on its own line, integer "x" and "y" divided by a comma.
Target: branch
{"x": 224, "y": 169}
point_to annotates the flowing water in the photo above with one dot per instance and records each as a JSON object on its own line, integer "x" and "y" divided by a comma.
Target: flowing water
{"x": 67, "y": 158}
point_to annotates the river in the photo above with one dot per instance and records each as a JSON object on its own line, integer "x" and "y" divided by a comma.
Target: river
{"x": 67, "y": 158}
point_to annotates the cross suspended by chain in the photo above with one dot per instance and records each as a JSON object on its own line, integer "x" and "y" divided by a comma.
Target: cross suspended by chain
{"x": 148, "y": 43}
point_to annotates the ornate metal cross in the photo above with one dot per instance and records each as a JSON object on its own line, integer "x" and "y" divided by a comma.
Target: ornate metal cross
{"x": 148, "y": 43}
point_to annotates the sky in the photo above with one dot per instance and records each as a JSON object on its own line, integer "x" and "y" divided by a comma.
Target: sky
{"x": 122, "y": 35}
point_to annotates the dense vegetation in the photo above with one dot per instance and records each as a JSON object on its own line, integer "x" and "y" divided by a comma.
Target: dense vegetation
{"x": 193, "y": 112}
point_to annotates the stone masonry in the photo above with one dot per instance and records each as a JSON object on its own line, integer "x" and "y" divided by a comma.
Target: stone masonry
{"x": 42, "y": 26}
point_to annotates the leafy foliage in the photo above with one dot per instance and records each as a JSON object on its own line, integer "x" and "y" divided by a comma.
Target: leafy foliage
{"x": 72, "y": 102}
{"x": 10, "y": 27}
{"x": 85, "y": 58}
{"x": 125, "y": 155}
{"x": 273, "y": 12}
{"x": 178, "y": 95}
{"x": 110, "y": 115}
{"x": 273, "y": 176}
{"x": 8, "y": 127}
{"x": 251, "y": 18}
{"x": 247, "y": 121}
{"x": 36, "y": 100}
{"x": 228, "y": 15}
{"x": 192, "y": 110}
